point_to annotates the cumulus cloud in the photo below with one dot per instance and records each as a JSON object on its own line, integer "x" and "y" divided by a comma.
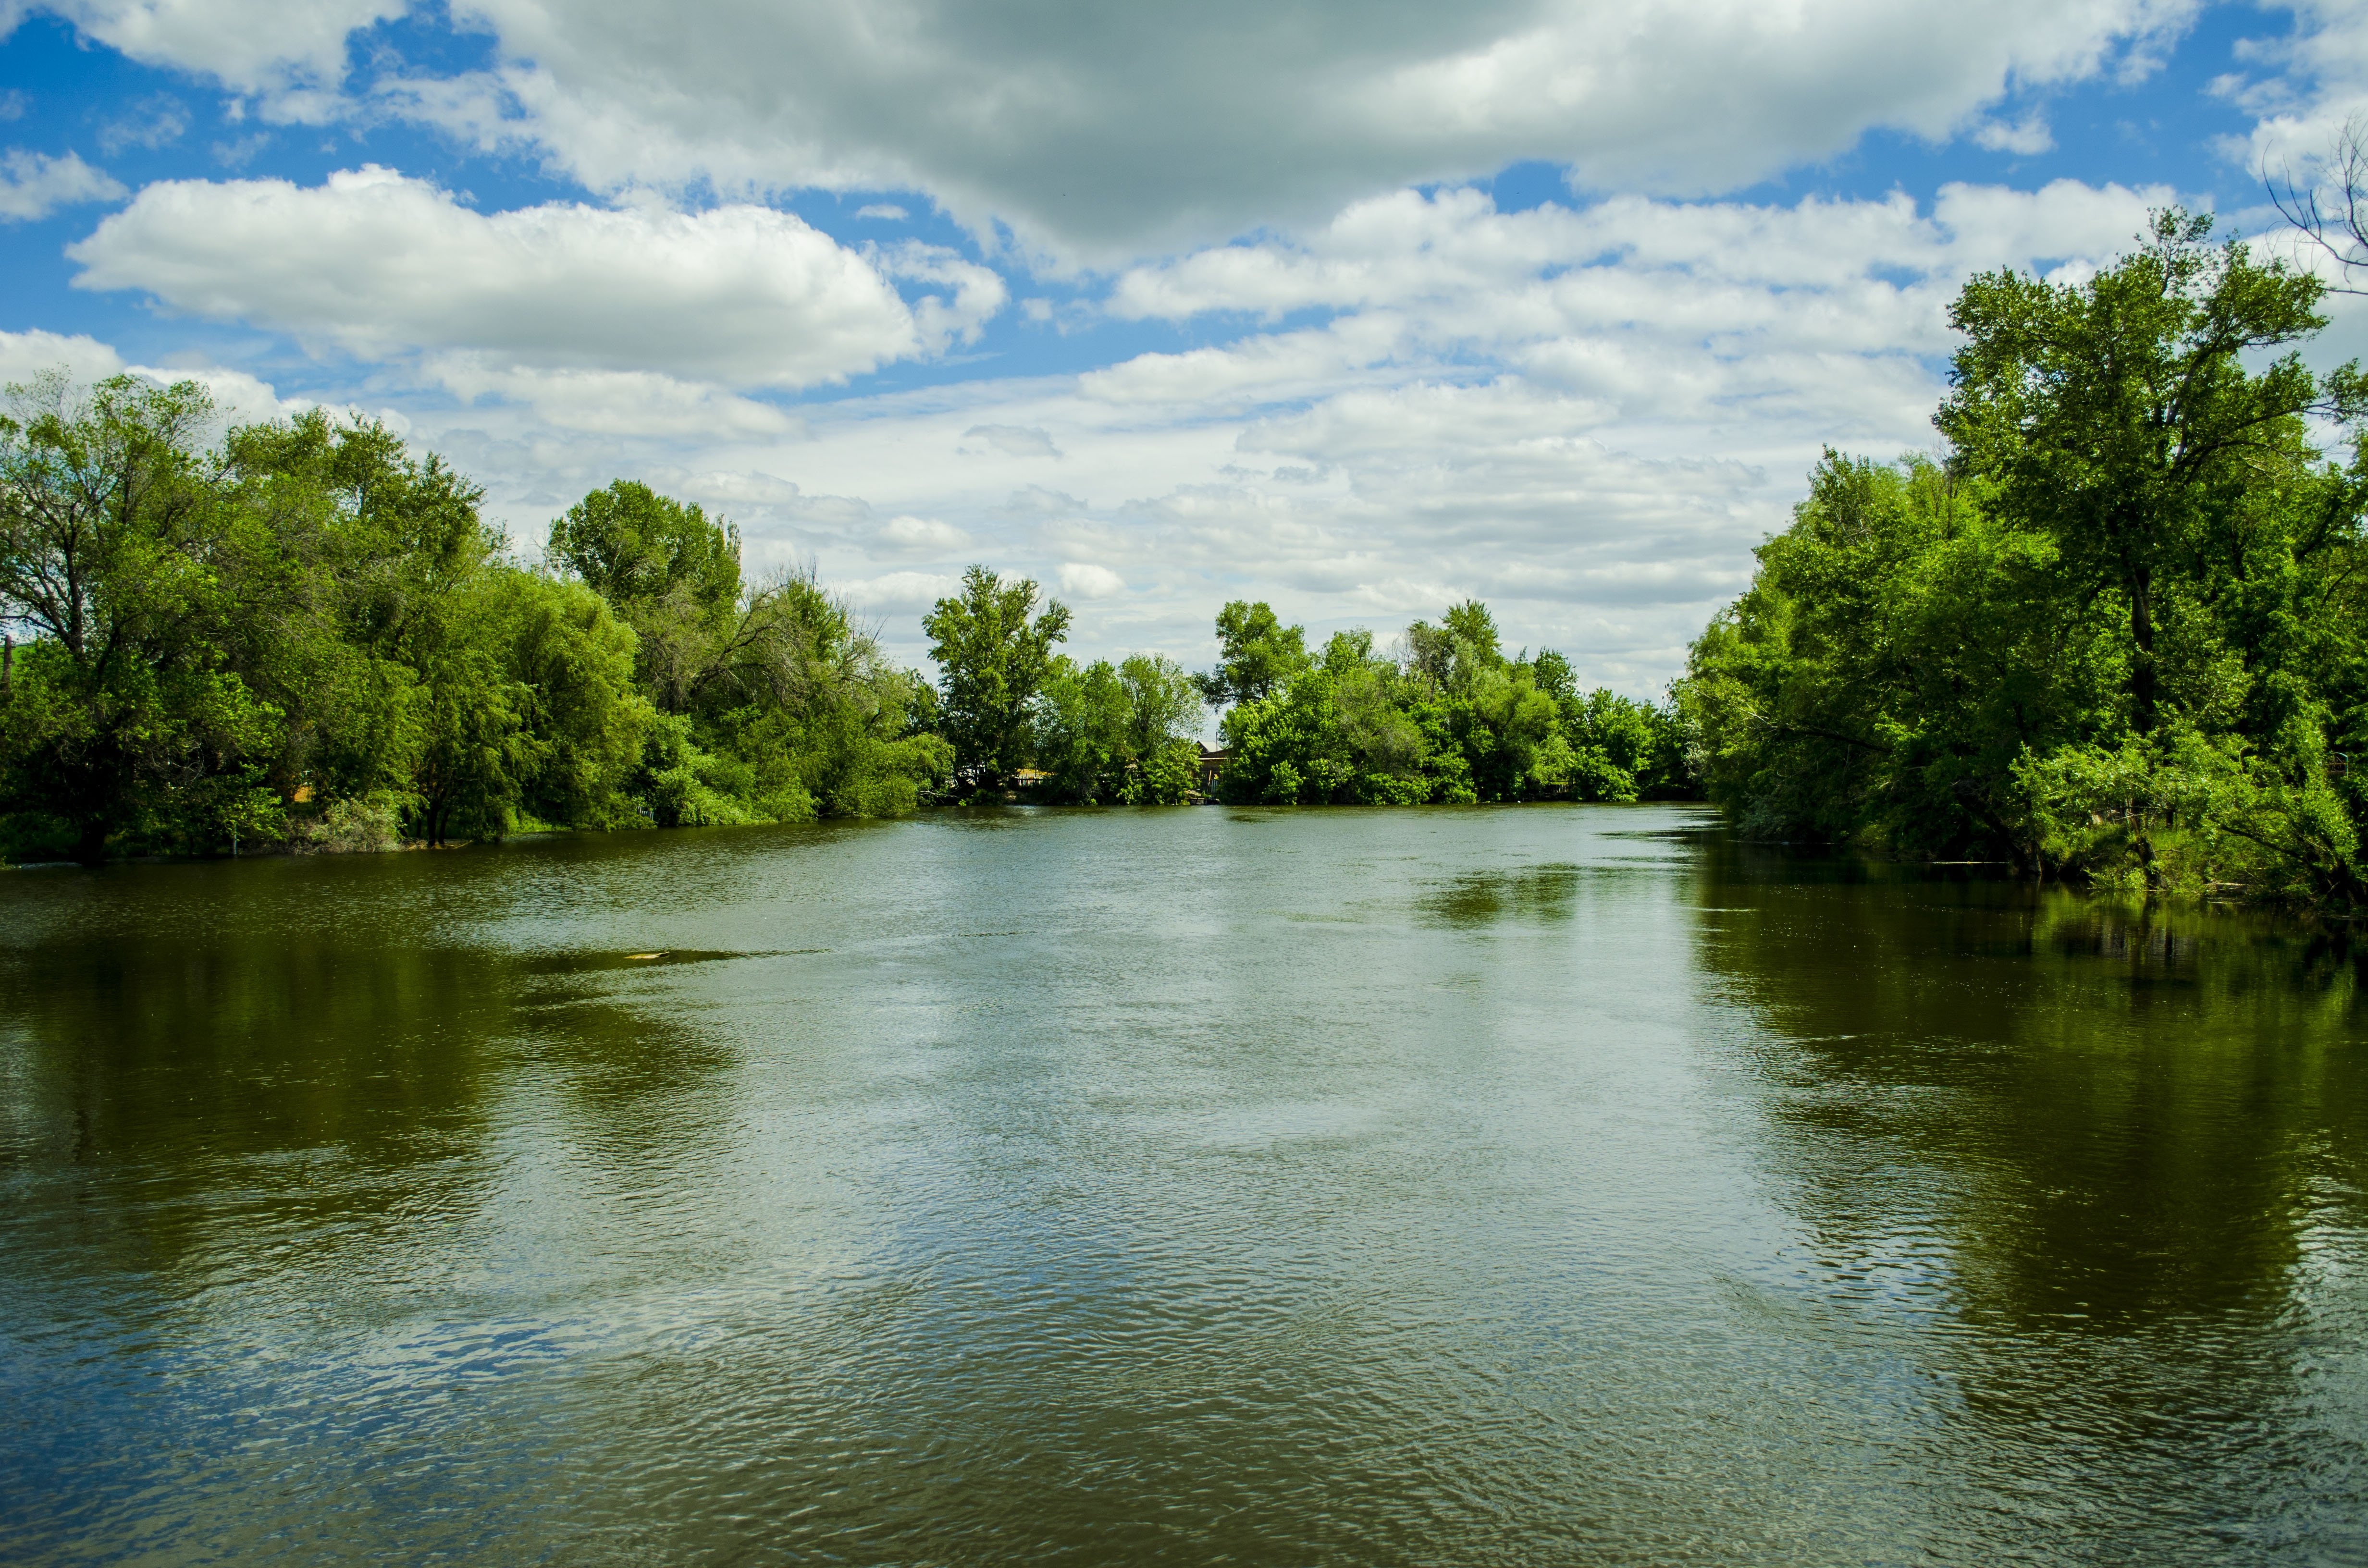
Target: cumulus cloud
{"x": 641, "y": 403}
{"x": 154, "y": 122}
{"x": 294, "y": 49}
{"x": 909, "y": 592}
{"x": 238, "y": 395}
{"x": 377, "y": 263}
{"x": 1628, "y": 311}
{"x": 908, "y": 535}
{"x": 1156, "y": 125}
{"x": 1084, "y": 580}
{"x": 2024, "y": 137}
{"x": 34, "y": 185}
{"x": 2302, "y": 90}
{"x": 25, "y": 355}
{"x": 1584, "y": 414}
{"x": 1454, "y": 249}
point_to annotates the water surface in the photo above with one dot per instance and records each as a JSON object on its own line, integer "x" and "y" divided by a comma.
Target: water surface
{"x": 1536, "y": 1186}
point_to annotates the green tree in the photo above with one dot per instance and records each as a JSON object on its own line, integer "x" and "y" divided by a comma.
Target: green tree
{"x": 1123, "y": 733}
{"x": 671, "y": 571}
{"x": 777, "y": 705}
{"x": 1255, "y": 654}
{"x": 1080, "y": 732}
{"x": 2116, "y": 635}
{"x": 993, "y": 659}
{"x": 1163, "y": 705}
{"x": 2119, "y": 417}
{"x": 385, "y": 549}
{"x": 137, "y": 579}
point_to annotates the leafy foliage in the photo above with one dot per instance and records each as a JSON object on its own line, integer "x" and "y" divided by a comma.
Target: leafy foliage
{"x": 303, "y": 633}
{"x": 1121, "y": 734}
{"x": 2116, "y": 633}
{"x": 1453, "y": 721}
{"x": 992, "y": 661}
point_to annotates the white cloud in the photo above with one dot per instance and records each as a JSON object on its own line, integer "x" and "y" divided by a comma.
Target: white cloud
{"x": 2024, "y": 137}
{"x": 1163, "y": 124}
{"x": 1453, "y": 251}
{"x": 886, "y": 212}
{"x": 1628, "y": 311}
{"x": 24, "y": 355}
{"x": 376, "y": 263}
{"x": 288, "y": 47}
{"x": 909, "y": 535}
{"x": 34, "y": 185}
{"x": 1084, "y": 580}
{"x": 620, "y": 402}
{"x": 904, "y": 591}
{"x": 239, "y": 397}
{"x": 1587, "y": 417}
{"x": 153, "y": 121}
{"x": 1014, "y": 440}
{"x": 2304, "y": 90}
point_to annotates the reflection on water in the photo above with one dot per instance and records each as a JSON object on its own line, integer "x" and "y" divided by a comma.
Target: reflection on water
{"x": 1532, "y": 893}
{"x": 1482, "y": 1185}
{"x": 2111, "y": 1149}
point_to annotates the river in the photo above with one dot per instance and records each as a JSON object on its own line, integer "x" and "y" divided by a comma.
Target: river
{"x": 1544, "y": 1184}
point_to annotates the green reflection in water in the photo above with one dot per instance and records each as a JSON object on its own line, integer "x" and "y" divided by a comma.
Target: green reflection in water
{"x": 2115, "y": 1151}
{"x": 1490, "y": 1186}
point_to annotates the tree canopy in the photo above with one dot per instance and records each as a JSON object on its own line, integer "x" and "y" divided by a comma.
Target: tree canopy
{"x": 299, "y": 631}
{"x": 993, "y": 653}
{"x": 1452, "y": 721}
{"x": 2114, "y": 630}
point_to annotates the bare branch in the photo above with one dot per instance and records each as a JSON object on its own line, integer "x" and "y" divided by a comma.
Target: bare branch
{"x": 2337, "y": 222}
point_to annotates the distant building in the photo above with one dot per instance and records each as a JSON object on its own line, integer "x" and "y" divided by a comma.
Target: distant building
{"x": 1212, "y": 762}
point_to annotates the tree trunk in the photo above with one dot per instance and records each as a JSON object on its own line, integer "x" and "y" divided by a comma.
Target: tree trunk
{"x": 90, "y": 844}
{"x": 2142, "y": 676}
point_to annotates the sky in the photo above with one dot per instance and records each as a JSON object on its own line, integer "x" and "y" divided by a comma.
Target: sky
{"x": 1360, "y": 308}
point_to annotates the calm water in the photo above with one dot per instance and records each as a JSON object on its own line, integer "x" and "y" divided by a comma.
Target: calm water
{"x": 1536, "y": 1186}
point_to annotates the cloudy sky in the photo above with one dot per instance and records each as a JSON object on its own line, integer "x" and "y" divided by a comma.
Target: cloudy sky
{"x": 1360, "y": 308}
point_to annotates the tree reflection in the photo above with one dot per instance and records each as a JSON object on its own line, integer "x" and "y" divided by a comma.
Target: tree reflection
{"x": 2101, "y": 1141}
{"x": 187, "y": 1094}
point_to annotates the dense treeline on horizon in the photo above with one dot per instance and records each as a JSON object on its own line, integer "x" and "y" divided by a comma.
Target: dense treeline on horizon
{"x": 302, "y": 634}
{"x": 2115, "y": 631}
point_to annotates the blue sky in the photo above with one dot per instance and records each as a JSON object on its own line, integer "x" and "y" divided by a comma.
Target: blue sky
{"x": 1359, "y": 309}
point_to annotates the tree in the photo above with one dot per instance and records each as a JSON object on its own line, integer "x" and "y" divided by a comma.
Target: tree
{"x": 776, "y": 706}
{"x": 1124, "y": 734}
{"x": 1163, "y": 705}
{"x": 2117, "y": 635}
{"x": 1080, "y": 725}
{"x": 137, "y": 577}
{"x": 992, "y": 660}
{"x": 672, "y": 573}
{"x": 1257, "y": 654}
{"x": 2118, "y": 417}
{"x": 303, "y": 625}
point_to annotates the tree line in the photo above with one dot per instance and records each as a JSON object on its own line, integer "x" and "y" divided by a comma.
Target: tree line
{"x": 2113, "y": 630}
{"x": 300, "y": 633}
{"x": 1446, "y": 716}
